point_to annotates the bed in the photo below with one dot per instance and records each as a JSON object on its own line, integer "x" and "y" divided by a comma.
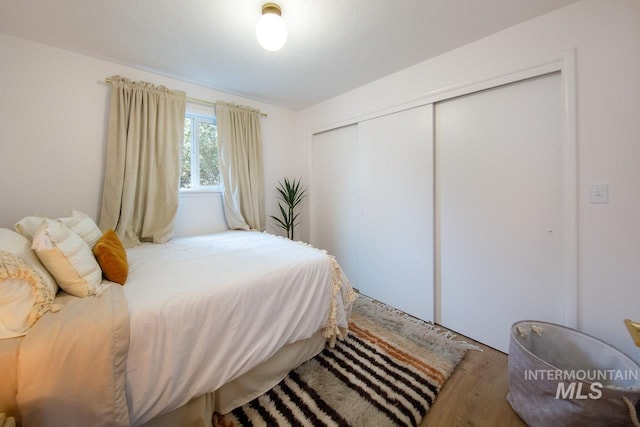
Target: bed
{"x": 202, "y": 324}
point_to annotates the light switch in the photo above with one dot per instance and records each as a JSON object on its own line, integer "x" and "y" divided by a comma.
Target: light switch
{"x": 599, "y": 193}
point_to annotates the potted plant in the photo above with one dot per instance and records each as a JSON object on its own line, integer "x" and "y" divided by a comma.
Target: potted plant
{"x": 291, "y": 194}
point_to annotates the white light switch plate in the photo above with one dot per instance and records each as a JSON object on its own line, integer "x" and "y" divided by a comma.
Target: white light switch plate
{"x": 599, "y": 193}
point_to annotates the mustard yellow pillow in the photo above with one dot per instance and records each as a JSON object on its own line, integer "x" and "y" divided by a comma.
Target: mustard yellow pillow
{"x": 112, "y": 257}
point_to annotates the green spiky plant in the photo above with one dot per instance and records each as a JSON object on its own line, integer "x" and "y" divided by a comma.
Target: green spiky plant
{"x": 291, "y": 194}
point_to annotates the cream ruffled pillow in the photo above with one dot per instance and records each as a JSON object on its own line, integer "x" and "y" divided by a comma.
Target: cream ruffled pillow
{"x": 24, "y": 296}
{"x": 19, "y": 245}
{"x": 7, "y": 421}
{"x": 68, "y": 258}
{"x": 20, "y": 302}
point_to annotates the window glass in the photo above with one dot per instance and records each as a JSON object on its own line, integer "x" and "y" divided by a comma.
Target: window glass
{"x": 185, "y": 172}
{"x": 208, "y": 153}
{"x": 199, "y": 162}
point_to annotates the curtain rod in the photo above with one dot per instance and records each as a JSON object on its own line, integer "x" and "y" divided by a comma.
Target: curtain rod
{"x": 194, "y": 100}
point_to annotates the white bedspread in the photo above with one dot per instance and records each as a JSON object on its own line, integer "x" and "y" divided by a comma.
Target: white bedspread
{"x": 207, "y": 309}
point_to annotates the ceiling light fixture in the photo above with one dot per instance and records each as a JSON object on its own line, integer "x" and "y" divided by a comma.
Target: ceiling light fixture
{"x": 271, "y": 31}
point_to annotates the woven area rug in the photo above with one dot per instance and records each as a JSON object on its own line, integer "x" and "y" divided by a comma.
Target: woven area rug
{"x": 387, "y": 372}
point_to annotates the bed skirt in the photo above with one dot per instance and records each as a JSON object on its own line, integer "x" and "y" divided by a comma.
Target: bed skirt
{"x": 198, "y": 411}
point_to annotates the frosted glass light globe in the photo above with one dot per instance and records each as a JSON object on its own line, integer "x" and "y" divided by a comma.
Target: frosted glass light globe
{"x": 271, "y": 32}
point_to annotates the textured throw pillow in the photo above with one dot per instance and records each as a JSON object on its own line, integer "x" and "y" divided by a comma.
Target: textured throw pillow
{"x": 112, "y": 257}
{"x": 81, "y": 224}
{"x": 68, "y": 258}
{"x": 19, "y": 245}
{"x": 24, "y": 297}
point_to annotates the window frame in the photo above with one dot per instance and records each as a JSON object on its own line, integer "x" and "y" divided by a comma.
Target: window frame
{"x": 197, "y": 118}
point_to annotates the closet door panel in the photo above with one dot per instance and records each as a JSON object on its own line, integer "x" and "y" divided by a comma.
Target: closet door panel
{"x": 500, "y": 208}
{"x": 334, "y": 196}
{"x": 395, "y": 224}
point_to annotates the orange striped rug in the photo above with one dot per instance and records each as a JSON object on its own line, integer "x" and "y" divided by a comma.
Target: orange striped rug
{"x": 387, "y": 372}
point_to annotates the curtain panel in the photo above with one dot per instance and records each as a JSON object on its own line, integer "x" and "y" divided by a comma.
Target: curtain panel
{"x": 241, "y": 167}
{"x": 142, "y": 175}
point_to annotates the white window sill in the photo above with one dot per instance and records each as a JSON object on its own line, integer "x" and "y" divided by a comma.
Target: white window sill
{"x": 200, "y": 193}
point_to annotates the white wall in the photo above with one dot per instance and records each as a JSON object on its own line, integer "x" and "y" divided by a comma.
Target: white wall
{"x": 53, "y": 119}
{"x": 606, "y": 38}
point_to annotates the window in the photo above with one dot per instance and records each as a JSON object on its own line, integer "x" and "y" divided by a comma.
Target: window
{"x": 200, "y": 169}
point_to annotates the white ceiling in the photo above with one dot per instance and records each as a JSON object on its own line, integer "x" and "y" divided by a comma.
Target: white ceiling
{"x": 333, "y": 45}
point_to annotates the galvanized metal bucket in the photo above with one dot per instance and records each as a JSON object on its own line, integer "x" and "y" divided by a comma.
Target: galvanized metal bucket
{"x": 559, "y": 376}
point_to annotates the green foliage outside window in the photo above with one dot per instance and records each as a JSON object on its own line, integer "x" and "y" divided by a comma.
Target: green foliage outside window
{"x": 209, "y": 166}
{"x": 185, "y": 170}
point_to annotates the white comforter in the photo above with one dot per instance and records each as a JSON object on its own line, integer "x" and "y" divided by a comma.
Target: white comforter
{"x": 206, "y": 309}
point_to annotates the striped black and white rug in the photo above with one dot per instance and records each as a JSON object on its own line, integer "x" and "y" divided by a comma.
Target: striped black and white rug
{"x": 387, "y": 372}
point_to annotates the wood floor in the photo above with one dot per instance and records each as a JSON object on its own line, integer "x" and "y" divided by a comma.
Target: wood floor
{"x": 475, "y": 394}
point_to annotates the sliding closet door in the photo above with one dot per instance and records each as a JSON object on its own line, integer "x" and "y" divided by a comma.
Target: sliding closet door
{"x": 395, "y": 224}
{"x": 499, "y": 208}
{"x": 335, "y": 196}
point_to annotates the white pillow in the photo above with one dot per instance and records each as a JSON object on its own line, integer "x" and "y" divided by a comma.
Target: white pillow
{"x": 68, "y": 258}
{"x": 84, "y": 226}
{"x": 28, "y": 225}
{"x": 79, "y": 222}
{"x": 24, "y": 297}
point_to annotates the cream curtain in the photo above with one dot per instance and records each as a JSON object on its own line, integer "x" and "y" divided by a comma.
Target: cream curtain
{"x": 241, "y": 170}
{"x": 142, "y": 176}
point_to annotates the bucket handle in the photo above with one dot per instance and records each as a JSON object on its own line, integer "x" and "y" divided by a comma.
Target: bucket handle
{"x": 632, "y": 411}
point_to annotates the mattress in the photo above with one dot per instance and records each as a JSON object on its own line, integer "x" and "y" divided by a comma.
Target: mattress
{"x": 204, "y": 310}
